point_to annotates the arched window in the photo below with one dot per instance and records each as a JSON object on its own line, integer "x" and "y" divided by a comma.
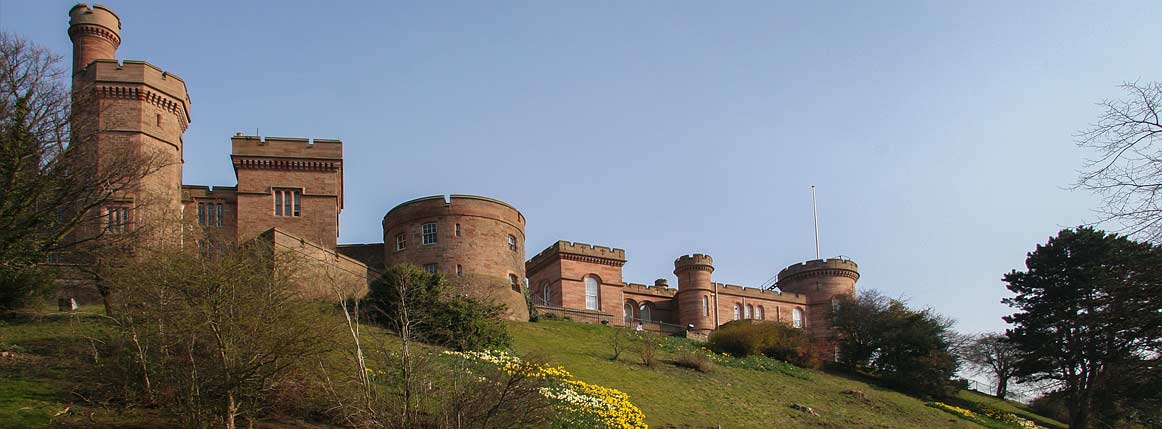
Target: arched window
{"x": 645, "y": 312}
{"x": 705, "y": 306}
{"x": 628, "y": 309}
{"x": 749, "y": 312}
{"x": 546, "y": 294}
{"x": 737, "y": 311}
{"x": 591, "y": 290}
{"x": 758, "y": 313}
{"x": 797, "y": 318}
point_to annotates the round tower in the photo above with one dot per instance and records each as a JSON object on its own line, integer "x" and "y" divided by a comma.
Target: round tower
{"x": 696, "y": 305}
{"x": 821, "y": 281}
{"x": 95, "y": 32}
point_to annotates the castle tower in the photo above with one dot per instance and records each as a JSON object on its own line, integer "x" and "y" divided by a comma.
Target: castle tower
{"x": 696, "y": 303}
{"x": 821, "y": 281}
{"x": 128, "y": 120}
{"x": 95, "y": 32}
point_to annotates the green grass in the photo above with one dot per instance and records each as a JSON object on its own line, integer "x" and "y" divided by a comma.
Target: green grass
{"x": 55, "y": 353}
{"x": 1021, "y": 410}
{"x": 728, "y": 396}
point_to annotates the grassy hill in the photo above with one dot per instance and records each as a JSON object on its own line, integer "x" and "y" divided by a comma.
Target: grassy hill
{"x": 52, "y": 348}
{"x": 729, "y": 397}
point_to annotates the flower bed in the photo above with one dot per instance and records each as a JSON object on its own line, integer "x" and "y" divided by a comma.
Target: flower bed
{"x": 986, "y": 412}
{"x": 578, "y": 404}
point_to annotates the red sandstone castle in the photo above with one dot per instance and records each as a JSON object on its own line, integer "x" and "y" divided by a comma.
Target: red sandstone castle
{"x": 290, "y": 191}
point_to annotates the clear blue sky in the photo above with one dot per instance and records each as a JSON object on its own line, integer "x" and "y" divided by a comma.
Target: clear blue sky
{"x": 939, "y": 133}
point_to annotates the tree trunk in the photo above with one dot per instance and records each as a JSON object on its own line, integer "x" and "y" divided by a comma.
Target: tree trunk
{"x": 1002, "y": 387}
{"x": 231, "y": 411}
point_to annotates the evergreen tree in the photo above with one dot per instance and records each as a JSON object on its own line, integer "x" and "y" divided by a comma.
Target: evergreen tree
{"x": 1088, "y": 303}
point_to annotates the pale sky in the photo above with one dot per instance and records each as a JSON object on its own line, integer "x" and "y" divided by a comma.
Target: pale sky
{"x": 939, "y": 134}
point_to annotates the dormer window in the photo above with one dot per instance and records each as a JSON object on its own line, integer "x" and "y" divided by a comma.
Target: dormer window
{"x": 288, "y": 202}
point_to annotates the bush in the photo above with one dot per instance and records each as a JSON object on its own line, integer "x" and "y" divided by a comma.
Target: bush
{"x": 22, "y": 286}
{"x": 410, "y": 299}
{"x": 694, "y": 360}
{"x": 775, "y": 340}
{"x": 647, "y": 347}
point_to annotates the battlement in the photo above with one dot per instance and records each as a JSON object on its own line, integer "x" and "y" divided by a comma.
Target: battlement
{"x": 579, "y": 251}
{"x": 98, "y": 15}
{"x": 692, "y": 261}
{"x": 729, "y": 289}
{"x": 841, "y": 266}
{"x": 656, "y": 290}
{"x": 285, "y": 147}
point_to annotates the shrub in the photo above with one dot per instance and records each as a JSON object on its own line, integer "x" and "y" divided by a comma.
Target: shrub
{"x": 775, "y": 340}
{"x": 647, "y": 348}
{"x": 694, "y": 360}
{"x": 410, "y": 299}
{"x": 618, "y": 339}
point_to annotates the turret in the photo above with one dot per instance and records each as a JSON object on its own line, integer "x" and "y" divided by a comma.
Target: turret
{"x": 821, "y": 281}
{"x": 95, "y": 32}
{"x": 696, "y": 303}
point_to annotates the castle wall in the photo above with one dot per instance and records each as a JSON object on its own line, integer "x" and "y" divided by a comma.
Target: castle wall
{"x": 209, "y": 229}
{"x": 565, "y": 265}
{"x": 481, "y": 250}
{"x": 313, "y": 169}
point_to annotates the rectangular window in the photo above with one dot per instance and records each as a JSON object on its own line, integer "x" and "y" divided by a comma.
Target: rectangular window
{"x": 591, "y": 290}
{"x": 116, "y": 219}
{"x": 429, "y": 231}
{"x": 211, "y": 215}
{"x": 431, "y": 268}
{"x": 459, "y": 270}
{"x": 201, "y": 214}
{"x": 457, "y": 230}
{"x": 401, "y": 242}
{"x": 512, "y": 243}
{"x": 219, "y": 214}
{"x": 288, "y": 202}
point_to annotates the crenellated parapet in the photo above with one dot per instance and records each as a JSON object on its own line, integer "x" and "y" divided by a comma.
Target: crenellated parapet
{"x": 833, "y": 267}
{"x": 695, "y": 261}
{"x": 577, "y": 251}
{"x": 285, "y": 147}
{"x": 654, "y": 290}
{"x": 756, "y": 293}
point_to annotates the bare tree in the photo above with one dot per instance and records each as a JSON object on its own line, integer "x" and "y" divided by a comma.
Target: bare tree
{"x": 1127, "y": 168}
{"x": 993, "y": 354}
{"x": 53, "y": 180}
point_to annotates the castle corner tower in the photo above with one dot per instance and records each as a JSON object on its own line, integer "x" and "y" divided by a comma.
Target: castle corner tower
{"x": 821, "y": 281}
{"x": 128, "y": 121}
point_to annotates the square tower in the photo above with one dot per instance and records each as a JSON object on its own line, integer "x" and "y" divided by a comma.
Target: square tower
{"x": 293, "y": 184}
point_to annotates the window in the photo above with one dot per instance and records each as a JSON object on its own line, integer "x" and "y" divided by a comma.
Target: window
{"x": 429, "y": 230}
{"x": 546, "y": 294}
{"x": 401, "y": 242}
{"x": 511, "y": 243}
{"x": 737, "y": 311}
{"x": 210, "y": 213}
{"x": 288, "y": 202}
{"x": 797, "y": 318}
{"x": 431, "y": 268}
{"x": 758, "y": 312}
{"x": 219, "y": 205}
{"x": 591, "y": 302}
{"x": 645, "y": 312}
{"x": 705, "y": 306}
{"x": 159, "y": 119}
{"x": 459, "y": 270}
{"x": 116, "y": 219}
{"x": 749, "y": 312}
{"x": 457, "y": 230}
{"x": 201, "y": 213}
{"x": 628, "y": 309}
{"x": 513, "y": 282}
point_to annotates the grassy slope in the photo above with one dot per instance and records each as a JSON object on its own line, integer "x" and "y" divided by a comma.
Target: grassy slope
{"x": 41, "y": 382}
{"x": 730, "y": 397}
{"x": 1017, "y": 408}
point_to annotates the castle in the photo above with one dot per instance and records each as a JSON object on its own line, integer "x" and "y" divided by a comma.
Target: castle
{"x": 289, "y": 191}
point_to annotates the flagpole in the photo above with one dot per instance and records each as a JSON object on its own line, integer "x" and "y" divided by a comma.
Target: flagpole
{"x": 815, "y": 210}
